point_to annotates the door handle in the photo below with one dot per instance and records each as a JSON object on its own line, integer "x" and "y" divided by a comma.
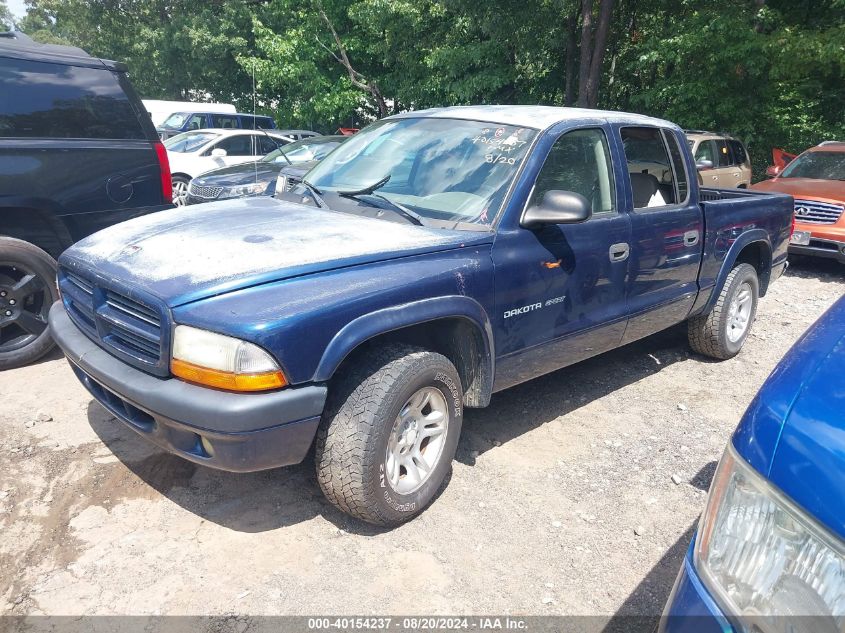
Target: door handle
{"x": 715, "y": 177}
{"x": 690, "y": 238}
{"x": 619, "y": 252}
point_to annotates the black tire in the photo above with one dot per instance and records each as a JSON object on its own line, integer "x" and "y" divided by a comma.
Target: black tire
{"x": 709, "y": 333}
{"x": 176, "y": 183}
{"x": 27, "y": 291}
{"x": 352, "y": 440}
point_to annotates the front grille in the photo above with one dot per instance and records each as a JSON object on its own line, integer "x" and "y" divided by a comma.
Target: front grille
{"x": 206, "y": 192}
{"x": 130, "y": 327}
{"x": 814, "y": 212}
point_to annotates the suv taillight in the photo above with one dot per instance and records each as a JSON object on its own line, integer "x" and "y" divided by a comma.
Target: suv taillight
{"x": 164, "y": 167}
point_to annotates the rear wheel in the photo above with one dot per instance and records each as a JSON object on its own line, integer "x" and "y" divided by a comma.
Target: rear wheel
{"x": 389, "y": 434}
{"x": 722, "y": 332}
{"x": 27, "y": 291}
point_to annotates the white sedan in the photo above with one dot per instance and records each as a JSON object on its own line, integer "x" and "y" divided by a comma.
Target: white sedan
{"x": 193, "y": 153}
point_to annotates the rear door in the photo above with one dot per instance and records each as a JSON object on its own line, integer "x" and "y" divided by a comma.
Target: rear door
{"x": 666, "y": 231}
{"x": 560, "y": 289}
{"x": 726, "y": 169}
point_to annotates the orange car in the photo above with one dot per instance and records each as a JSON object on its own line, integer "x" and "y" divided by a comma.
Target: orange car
{"x": 816, "y": 179}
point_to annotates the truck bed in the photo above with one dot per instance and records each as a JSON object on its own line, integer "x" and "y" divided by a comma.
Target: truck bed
{"x": 730, "y": 214}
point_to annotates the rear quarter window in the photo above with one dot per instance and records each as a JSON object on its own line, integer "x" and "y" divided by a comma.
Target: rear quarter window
{"x": 46, "y": 100}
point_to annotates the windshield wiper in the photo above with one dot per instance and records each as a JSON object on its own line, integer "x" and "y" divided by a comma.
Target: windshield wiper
{"x": 365, "y": 190}
{"x": 316, "y": 194}
{"x": 400, "y": 209}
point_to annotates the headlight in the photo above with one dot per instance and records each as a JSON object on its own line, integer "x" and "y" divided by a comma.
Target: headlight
{"x": 242, "y": 191}
{"x": 765, "y": 558}
{"x": 223, "y": 362}
{"x": 281, "y": 183}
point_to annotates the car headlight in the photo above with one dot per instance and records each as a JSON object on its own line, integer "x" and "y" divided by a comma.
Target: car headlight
{"x": 281, "y": 183}
{"x": 242, "y": 191}
{"x": 765, "y": 558}
{"x": 223, "y": 362}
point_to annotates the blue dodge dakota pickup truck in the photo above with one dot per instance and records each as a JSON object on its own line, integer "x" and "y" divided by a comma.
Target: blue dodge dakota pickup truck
{"x": 433, "y": 259}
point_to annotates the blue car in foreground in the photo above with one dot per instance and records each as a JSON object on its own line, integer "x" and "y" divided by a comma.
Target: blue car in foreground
{"x": 769, "y": 554}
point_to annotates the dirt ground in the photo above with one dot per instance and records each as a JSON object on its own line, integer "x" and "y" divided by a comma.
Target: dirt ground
{"x": 561, "y": 501}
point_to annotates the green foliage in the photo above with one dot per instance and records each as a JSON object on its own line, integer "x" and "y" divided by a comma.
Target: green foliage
{"x": 771, "y": 72}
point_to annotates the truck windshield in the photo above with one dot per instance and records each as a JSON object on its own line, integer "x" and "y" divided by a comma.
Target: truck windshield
{"x": 443, "y": 169}
{"x": 175, "y": 121}
{"x": 817, "y": 165}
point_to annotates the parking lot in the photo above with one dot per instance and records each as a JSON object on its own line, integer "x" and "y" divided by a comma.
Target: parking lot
{"x": 563, "y": 498}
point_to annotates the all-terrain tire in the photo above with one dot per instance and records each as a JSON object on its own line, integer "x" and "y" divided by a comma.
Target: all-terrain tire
{"x": 20, "y": 260}
{"x": 352, "y": 441}
{"x": 709, "y": 333}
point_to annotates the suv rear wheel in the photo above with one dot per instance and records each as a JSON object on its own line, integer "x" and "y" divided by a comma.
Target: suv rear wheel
{"x": 27, "y": 291}
{"x": 389, "y": 434}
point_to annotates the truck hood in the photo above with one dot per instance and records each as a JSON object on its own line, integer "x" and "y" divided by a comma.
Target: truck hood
{"x": 829, "y": 190}
{"x": 208, "y": 249}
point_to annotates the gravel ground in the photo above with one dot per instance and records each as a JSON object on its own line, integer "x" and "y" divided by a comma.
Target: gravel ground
{"x": 562, "y": 500}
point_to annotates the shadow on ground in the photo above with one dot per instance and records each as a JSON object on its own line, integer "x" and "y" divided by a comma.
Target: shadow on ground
{"x": 258, "y": 502}
{"x": 825, "y": 270}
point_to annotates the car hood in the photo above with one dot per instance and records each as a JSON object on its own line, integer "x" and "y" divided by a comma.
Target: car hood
{"x": 832, "y": 190}
{"x": 242, "y": 174}
{"x": 208, "y": 249}
{"x": 809, "y": 461}
{"x": 793, "y": 432}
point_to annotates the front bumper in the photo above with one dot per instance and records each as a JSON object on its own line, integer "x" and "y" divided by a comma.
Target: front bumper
{"x": 242, "y": 432}
{"x": 690, "y": 608}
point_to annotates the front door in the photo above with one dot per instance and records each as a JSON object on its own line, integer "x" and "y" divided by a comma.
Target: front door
{"x": 667, "y": 231}
{"x": 560, "y": 289}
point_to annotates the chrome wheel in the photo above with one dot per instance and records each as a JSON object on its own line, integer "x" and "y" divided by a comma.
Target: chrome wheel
{"x": 180, "y": 192}
{"x": 739, "y": 312}
{"x": 416, "y": 440}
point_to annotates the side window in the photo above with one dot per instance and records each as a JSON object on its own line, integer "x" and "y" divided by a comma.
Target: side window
{"x": 705, "y": 152}
{"x": 224, "y": 121}
{"x": 579, "y": 161}
{"x": 681, "y": 186}
{"x": 740, "y": 156}
{"x": 240, "y": 145}
{"x": 44, "y": 100}
{"x": 267, "y": 145}
{"x": 652, "y": 177}
{"x": 724, "y": 156}
{"x": 196, "y": 122}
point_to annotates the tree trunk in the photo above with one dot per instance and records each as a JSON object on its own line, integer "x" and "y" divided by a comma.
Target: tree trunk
{"x": 600, "y": 46}
{"x": 586, "y": 49}
{"x": 571, "y": 52}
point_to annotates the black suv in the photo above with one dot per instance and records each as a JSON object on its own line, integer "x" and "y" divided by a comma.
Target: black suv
{"x": 78, "y": 152}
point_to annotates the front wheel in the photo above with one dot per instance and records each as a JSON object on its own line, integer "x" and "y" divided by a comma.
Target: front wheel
{"x": 180, "y": 190}
{"x": 722, "y": 332}
{"x": 389, "y": 434}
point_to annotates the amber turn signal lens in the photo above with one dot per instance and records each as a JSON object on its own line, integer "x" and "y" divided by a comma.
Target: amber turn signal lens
{"x": 225, "y": 380}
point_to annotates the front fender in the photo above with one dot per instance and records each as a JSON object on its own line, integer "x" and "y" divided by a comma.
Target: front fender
{"x": 386, "y": 320}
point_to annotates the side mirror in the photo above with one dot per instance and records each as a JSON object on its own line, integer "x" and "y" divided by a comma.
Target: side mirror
{"x": 218, "y": 152}
{"x": 704, "y": 164}
{"x": 558, "y": 207}
{"x": 773, "y": 170}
